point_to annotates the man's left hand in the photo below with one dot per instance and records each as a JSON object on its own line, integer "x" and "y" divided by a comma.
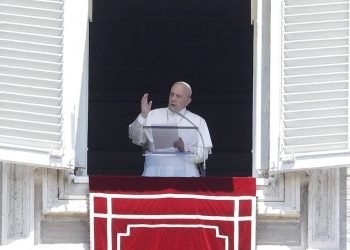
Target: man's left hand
{"x": 179, "y": 144}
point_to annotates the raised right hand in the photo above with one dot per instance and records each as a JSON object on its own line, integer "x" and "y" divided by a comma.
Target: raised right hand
{"x": 145, "y": 105}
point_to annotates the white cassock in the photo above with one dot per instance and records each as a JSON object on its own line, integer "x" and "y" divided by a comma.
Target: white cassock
{"x": 175, "y": 164}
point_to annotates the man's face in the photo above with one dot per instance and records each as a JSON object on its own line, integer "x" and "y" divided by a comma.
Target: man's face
{"x": 178, "y": 97}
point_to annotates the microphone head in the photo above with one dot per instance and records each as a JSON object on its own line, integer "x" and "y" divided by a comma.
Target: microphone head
{"x": 172, "y": 109}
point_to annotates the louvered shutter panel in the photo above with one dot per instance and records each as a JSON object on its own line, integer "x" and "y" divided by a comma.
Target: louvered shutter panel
{"x": 314, "y": 114}
{"x": 31, "y": 75}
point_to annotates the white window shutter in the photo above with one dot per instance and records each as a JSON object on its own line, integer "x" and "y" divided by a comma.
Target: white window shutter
{"x": 31, "y": 44}
{"x": 313, "y": 91}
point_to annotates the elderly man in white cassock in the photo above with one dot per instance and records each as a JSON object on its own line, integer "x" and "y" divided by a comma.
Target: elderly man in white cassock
{"x": 184, "y": 156}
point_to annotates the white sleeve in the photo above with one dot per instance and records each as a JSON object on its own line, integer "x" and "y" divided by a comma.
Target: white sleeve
{"x": 136, "y": 133}
{"x": 201, "y": 153}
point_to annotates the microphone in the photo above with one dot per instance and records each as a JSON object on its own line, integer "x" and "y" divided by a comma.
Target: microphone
{"x": 200, "y": 134}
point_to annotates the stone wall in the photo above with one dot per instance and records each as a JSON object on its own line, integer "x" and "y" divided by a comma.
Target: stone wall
{"x": 42, "y": 206}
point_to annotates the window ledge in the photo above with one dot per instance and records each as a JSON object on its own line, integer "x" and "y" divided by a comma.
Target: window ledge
{"x": 262, "y": 181}
{"x": 81, "y": 179}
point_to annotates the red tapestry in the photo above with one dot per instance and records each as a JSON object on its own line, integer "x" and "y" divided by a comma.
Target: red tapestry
{"x": 150, "y": 213}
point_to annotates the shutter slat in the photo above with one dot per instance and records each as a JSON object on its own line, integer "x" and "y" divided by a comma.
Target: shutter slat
{"x": 316, "y": 139}
{"x": 315, "y": 60}
{"x": 30, "y": 20}
{"x": 30, "y": 90}
{"x": 319, "y": 121}
{"x": 308, "y": 2}
{"x": 310, "y": 52}
{"x": 31, "y": 29}
{"x": 29, "y": 134}
{"x": 53, "y": 5}
{"x": 311, "y": 78}
{"x": 29, "y": 107}
{"x": 30, "y": 55}
{"x": 316, "y": 43}
{"x": 315, "y": 69}
{"x": 31, "y": 81}
{"x": 33, "y": 99}
{"x": 316, "y": 130}
{"x": 30, "y": 46}
{"x": 321, "y": 86}
{"x": 312, "y": 113}
{"x": 30, "y": 11}
{"x": 335, "y": 103}
{"x": 313, "y": 26}
{"x": 30, "y": 116}
{"x": 326, "y": 16}
{"x": 315, "y": 34}
{"x": 31, "y": 38}
{"x": 27, "y": 72}
{"x": 315, "y": 8}
{"x": 312, "y": 148}
{"x": 25, "y": 141}
{"x": 30, "y": 125}
{"x": 315, "y": 95}
{"x": 32, "y": 64}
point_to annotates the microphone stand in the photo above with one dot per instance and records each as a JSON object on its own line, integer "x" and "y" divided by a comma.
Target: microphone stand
{"x": 200, "y": 134}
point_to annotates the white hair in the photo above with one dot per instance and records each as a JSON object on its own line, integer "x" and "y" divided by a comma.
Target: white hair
{"x": 188, "y": 87}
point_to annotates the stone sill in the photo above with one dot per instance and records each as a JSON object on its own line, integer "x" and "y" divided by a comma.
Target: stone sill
{"x": 81, "y": 179}
{"x": 68, "y": 207}
{"x": 61, "y": 246}
{"x": 266, "y": 211}
{"x": 262, "y": 181}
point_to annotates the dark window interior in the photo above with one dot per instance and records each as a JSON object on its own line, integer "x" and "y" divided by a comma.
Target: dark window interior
{"x": 139, "y": 46}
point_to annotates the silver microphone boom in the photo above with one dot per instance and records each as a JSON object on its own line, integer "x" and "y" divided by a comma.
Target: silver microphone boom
{"x": 199, "y": 132}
